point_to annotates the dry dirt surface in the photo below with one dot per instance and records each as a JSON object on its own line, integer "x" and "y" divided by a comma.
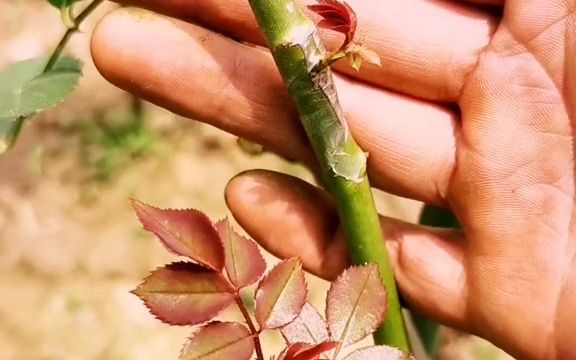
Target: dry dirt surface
{"x": 70, "y": 248}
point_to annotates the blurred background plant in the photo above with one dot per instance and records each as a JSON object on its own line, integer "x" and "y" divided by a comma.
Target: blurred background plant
{"x": 70, "y": 249}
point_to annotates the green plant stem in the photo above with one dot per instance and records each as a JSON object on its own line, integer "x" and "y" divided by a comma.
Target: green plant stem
{"x": 299, "y": 55}
{"x": 438, "y": 217}
{"x": 429, "y": 334}
{"x": 78, "y": 20}
{"x": 14, "y": 133}
{"x": 137, "y": 111}
{"x": 428, "y": 330}
{"x": 250, "y": 323}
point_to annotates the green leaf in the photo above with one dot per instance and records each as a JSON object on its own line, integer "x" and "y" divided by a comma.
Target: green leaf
{"x": 50, "y": 88}
{"x": 62, "y": 3}
{"x": 26, "y": 91}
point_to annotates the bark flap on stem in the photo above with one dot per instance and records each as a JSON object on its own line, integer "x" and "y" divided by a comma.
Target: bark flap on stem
{"x": 344, "y": 157}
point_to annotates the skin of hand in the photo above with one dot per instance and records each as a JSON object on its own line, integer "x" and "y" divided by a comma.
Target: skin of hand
{"x": 473, "y": 109}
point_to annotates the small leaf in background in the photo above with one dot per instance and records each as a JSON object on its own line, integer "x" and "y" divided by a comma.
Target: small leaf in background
{"x": 308, "y": 328}
{"x": 219, "y": 341}
{"x": 300, "y": 351}
{"x": 379, "y": 352}
{"x": 281, "y": 294}
{"x": 184, "y": 232}
{"x": 185, "y": 293}
{"x": 242, "y": 258}
{"x": 337, "y": 16}
{"x": 25, "y": 91}
{"x": 356, "y": 304}
{"x": 50, "y": 88}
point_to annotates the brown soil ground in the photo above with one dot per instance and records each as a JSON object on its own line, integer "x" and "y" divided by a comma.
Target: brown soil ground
{"x": 70, "y": 248}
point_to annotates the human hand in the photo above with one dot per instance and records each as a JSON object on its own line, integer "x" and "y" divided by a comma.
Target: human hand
{"x": 504, "y": 163}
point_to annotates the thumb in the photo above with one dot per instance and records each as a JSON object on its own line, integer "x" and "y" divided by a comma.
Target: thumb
{"x": 290, "y": 217}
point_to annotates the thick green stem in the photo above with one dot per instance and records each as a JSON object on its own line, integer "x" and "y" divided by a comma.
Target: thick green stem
{"x": 299, "y": 55}
{"x": 69, "y": 32}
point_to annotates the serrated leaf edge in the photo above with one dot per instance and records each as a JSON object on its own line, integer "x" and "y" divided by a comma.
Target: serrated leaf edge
{"x": 194, "y": 261}
{"x": 230, "y": 228}
{"x": 308, "y": 330}
{"x": 199, "y": 328}
{"x": 60, "y": 71}
{"x": 165, "y": 321}
{"x": 299, "y": 263}
{"x": 374, "y": 268}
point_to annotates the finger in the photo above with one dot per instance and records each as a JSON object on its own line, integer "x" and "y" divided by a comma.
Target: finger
{"x": 207, "y": 77}
{"x": 426, "y": 47}
{"x": 289, "y": 218}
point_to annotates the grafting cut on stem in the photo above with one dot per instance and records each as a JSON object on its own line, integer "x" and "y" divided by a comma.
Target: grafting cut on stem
{"x": 302, "y": 61}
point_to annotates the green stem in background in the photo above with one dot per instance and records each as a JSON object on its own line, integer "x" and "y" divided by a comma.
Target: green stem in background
{"x": 68, "y": 34}
{"x": 438, "y": 217}
{"x": 299, "y": 55}
{"x": 428, "y": 330}
{"x": 15, "y": 131}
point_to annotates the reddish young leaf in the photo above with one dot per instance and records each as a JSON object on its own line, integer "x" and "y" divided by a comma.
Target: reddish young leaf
{"x": 291, "y": 350}
{"x": 337, "y": 16}
{"x": 219, "y": 341}
{"x": 314, "y": 352}
{"x": 242, "y": 258}
{"x": 308, "y": 328}
{"x": 184, "y": 232}
{"x": 185, "y": 293}
{"x": 356, "y": 304}
{"x": 300, "y": 351}
{"x": 281, "y": 294}
{"x": 379, "y": 352}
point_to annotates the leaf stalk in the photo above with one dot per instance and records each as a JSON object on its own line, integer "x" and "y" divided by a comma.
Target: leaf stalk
{"x": 71, "y": 30}
{"x": 250, "y": 323}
